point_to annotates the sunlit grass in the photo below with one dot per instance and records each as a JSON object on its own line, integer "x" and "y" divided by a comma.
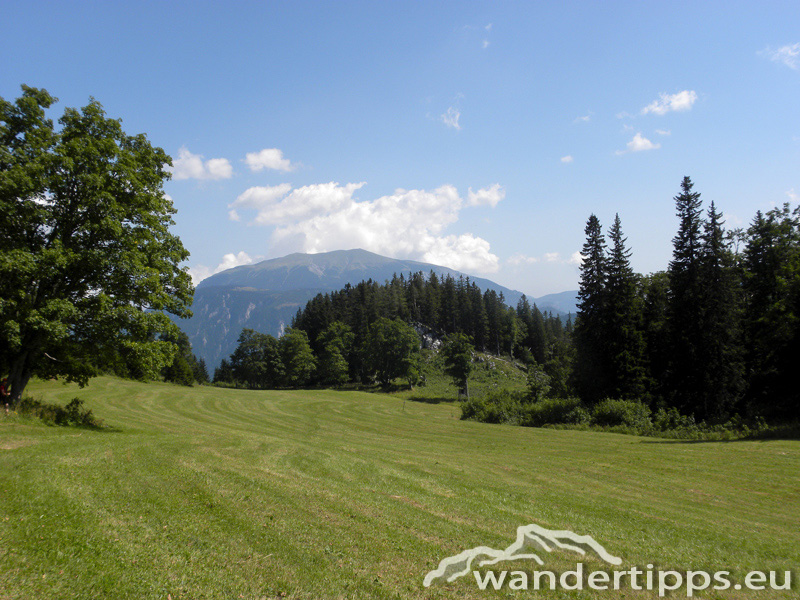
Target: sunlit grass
{"x": 215, "y": 493}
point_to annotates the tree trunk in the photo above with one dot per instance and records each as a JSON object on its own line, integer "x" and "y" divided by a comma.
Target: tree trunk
{"x": 18, "y": 378}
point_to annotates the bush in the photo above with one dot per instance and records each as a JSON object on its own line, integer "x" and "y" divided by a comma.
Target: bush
{"x": 628, "y": 413}
{"x": 670, "y": 419}
{"x": 497, "y": 406}
{"x": 53, "y": 414}
{"x": 555, "y": 411}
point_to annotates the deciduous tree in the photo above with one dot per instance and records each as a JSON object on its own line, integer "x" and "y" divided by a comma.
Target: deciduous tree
{"x": 88, "y": 263}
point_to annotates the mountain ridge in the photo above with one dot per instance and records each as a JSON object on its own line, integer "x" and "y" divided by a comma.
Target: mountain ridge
{"x": 266, "y": 295}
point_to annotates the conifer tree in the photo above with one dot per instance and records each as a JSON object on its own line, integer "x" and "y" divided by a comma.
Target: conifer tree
{"x": 772, "y": 322}
{"x": 685, "y": 376}
{"x": 720, "y": 346}
{"x": 591, "y": 367}
{"x": 622, "y": 338}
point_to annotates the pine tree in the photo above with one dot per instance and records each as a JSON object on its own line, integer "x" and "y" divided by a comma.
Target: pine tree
{"x": 622, "y": 339}
{"x": 686, "y": 304}
{"x": 772, "y": 321}
{"x": 720, "y": 347}
{"x": 591, "y": 367}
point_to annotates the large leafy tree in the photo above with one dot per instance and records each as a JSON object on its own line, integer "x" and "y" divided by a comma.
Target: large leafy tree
{"x": 457, "y": 352}
{"x": 298, "y": 358}
{"x": 88, "y": 264}
{"x": 337, "y": 346}
{"x": 392, "y": 350}
{"x": 256, "y": 362}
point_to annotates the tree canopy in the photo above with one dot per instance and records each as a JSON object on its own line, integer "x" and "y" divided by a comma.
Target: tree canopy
{"x": 457, "y": 351}
{"x": 87, "y": 260}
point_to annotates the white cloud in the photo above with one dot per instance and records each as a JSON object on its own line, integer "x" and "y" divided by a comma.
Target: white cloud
{"x": 488, "y": 27}
{"x": 451, "y": 117}
{"x": 663, "y": 132}
{"x": 275, "y": 207}
{"x": 491, "y": 196}
{"x": 793, "y": 196}
{"x": 567, "y": 159}
{"x": 583, "y": 119}
{"x": 519, "y": 259}
{"x": 639, "y": 144}
{"x": 200, "y": 272}
{"x": 485, "y": 44}
{"x": 576, "y": 259}
{"x": 549, "y": 257}
{"x": 408, "y": 223}
{"x": 789, "y": 55}
{"x": 463, "y": 253}
{"x": 268, "y": 158}
{"x": 671, "y": 102}
{"x": 192, "y": 166}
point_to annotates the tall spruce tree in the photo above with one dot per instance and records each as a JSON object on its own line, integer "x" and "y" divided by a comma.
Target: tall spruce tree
{"x": 591, "y": 367}
{"x": 685, "y": 373}
{"x": 772, "y": 321}
{"x": 720, "y": 343}
{"x": 622, "y": 339}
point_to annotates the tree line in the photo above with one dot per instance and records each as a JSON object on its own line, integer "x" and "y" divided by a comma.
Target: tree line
{"x": 363, "y": 333}
{"x": 389, "y": 350}
{"x": 716, "y": 334}
{"x": 712, "y": 336}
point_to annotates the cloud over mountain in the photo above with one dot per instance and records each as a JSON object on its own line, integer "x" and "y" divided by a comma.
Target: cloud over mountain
{"x": 408, "y": 223}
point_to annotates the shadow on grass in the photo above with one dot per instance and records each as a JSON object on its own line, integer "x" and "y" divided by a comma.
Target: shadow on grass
{"x": 432, "y": 399}
{"x": 777, "y": 433}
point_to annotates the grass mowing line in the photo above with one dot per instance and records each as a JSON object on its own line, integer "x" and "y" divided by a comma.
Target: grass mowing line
{"x": 213, "y": 493}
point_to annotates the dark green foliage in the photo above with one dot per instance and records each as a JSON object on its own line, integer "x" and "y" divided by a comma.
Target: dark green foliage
{"x": 72, "y": 414}
{"x": 772, "y": 308}
{"x": 200, "y": 370}
{"x": 446, "y": 306}
{"x": 88, "y": 266}
{"x": 591, "y": 368}
{"x": 553, "y": 411}
{"x": 457, "y": 352}
{"x": 622, "y": 342}
{"x": 391, "y": 351}
{"x": 721, "y": 343}
{"x": 538, "y": 383}
{"x": 685, "y": 375}
{"x": 654, "y": 294}
{"x": 499, "y": 406}
{"x": 256, "y": 362}
{"x": 630, "y": 413}
{"x": 185, "y": 368}
{"x": 336, "y": 344}
{"x": 223, "y": 373}
{"x": 297, "y": 358}
{"x": 180, "y": 371}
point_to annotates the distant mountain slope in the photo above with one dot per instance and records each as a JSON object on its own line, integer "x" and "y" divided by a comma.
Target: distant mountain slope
{"x": 265, "y": 296}
{"x": 562, "y": 302}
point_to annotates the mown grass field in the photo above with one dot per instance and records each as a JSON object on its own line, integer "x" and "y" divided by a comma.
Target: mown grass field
{"x": 213, "y": 493}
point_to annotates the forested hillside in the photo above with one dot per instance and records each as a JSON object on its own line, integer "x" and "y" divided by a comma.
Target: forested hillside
{"x": 713, "y": 336}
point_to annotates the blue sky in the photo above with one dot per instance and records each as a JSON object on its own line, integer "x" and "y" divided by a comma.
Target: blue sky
{"x": 478, "y": 135}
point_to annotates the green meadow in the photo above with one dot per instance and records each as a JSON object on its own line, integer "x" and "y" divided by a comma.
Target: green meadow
{"x": 218, "y": 493}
